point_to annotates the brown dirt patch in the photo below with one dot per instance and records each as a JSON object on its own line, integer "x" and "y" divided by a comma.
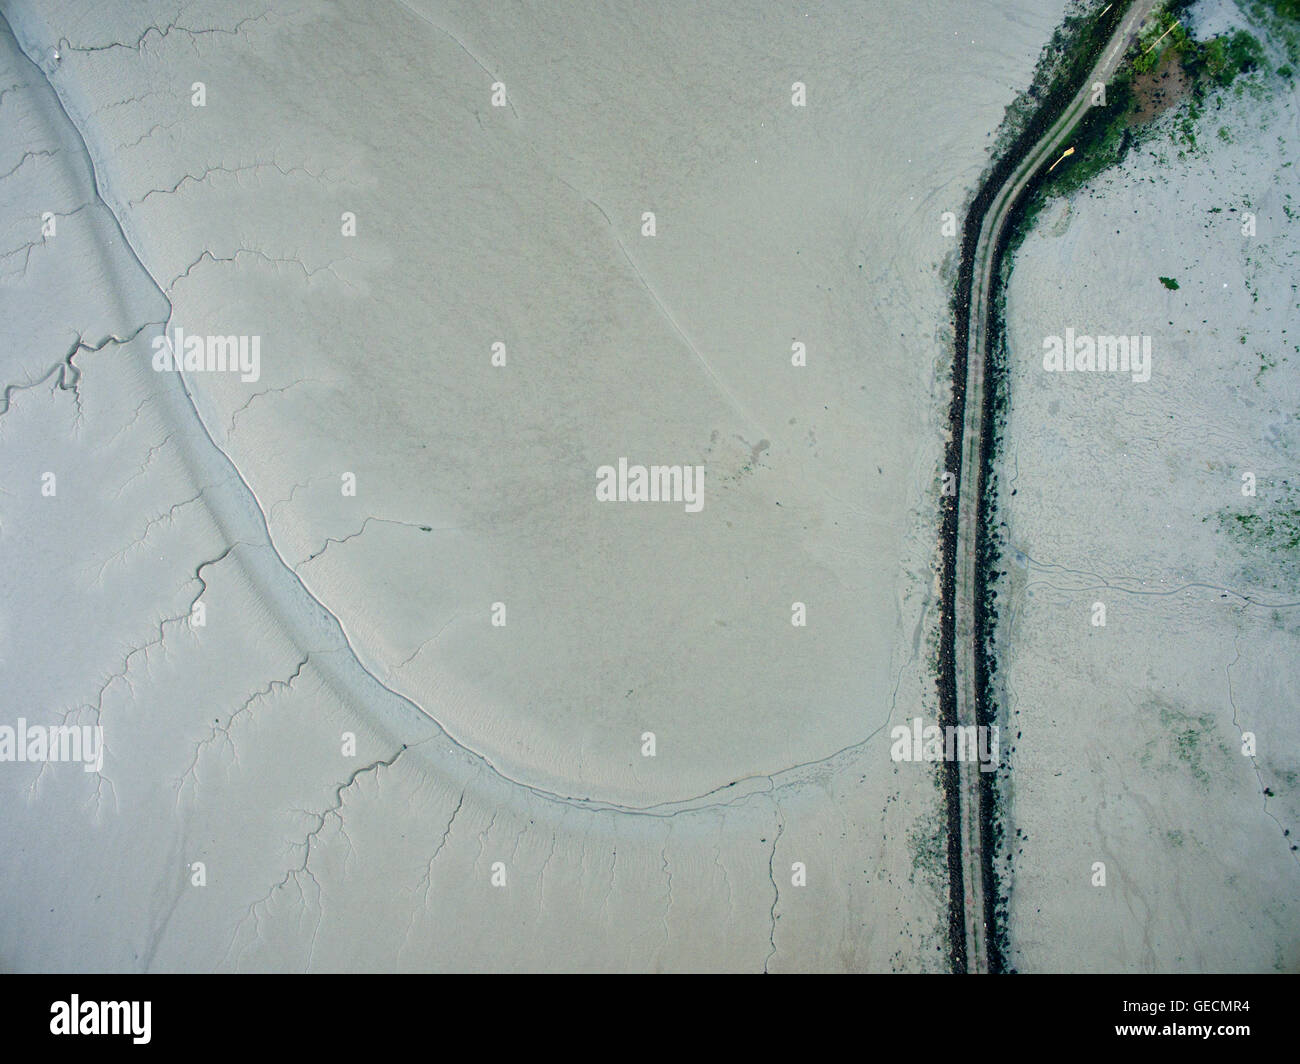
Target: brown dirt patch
{"x": 1159, "y": 89}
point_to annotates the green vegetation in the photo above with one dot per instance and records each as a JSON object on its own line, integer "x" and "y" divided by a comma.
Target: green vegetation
{"x": 1062, "y": 66}
{"x": 1283, "y": 20}
{"x": 1277, "y": 529}
{"x": 1187, "y": 733}
{"x": 1165, "y": 34}
{"x": 1265, "y": 363}
{"x": 1222, "y": 59}
{"x": 929, "y": 855}
{"x": 1266, "y": 529}
{"x": 1169, "y": 283}
{"x": 1183, "y": 737}
{"x": 1104, "y": 135}
{"x": 1102, "y": 139}
{"x": 1287, "y": 10}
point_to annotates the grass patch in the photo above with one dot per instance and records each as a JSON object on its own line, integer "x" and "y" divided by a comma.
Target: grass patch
{"x": 1102, "y": 138}
{"x": 1284, "y": 9}
{"x": 1282, "y": 17}
{"x": 1222, "y": 59}
{"x": 1165, "y": 34}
